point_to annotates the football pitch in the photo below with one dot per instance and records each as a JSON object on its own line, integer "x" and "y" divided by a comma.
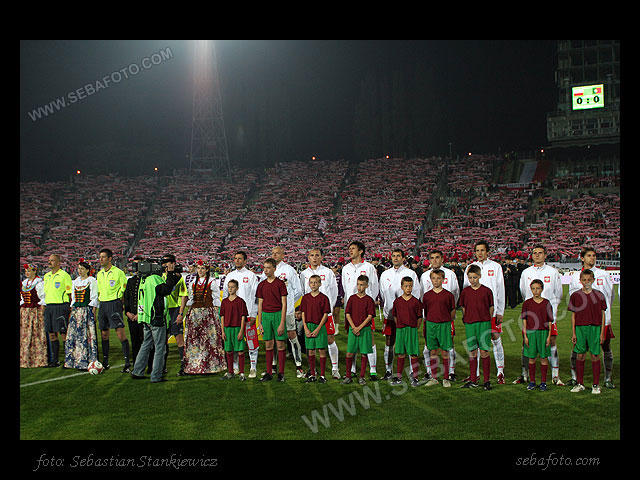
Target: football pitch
{"x": 58, "y": 404}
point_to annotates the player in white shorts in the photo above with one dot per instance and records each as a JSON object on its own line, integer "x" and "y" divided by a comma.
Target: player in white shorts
{"x": 450, "y": 283}
{"x": 602, "y": 282}
{"x": 328, "y": 286}
{"x": 552, "y": 291}
{"x": 247, "y": 285}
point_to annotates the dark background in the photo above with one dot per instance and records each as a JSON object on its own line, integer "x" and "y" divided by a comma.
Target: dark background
{"x": 284, "y": 100}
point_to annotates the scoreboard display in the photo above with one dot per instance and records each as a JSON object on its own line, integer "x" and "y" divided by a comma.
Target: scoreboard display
{"x": 588, "y": 96}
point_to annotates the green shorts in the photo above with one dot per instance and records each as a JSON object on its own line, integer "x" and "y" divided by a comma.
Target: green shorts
{"x": 360, "y": 343}
{"x": 321, "y": 341}
{"x": 407, "y": 341}
{"x": 478, "y": 336}
{"x": 537, "y": 344}
{"x": 439, "y": 336}
{"x": 587, "y": 339}
{"x": 232, "y": 344}
{"x": 270, "y": 323}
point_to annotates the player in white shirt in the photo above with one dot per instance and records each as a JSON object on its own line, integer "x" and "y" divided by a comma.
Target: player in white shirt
{"x": 602, "y": 282}
{"x": 350, "y": 273}
{"x": 247, "y": 285}
{"x": 552, "y": 291}
{"x": 450, "y": 283}
{"x": 328, "y": 286}
{"x": 289, "y": 276}
{"x": 390, "y": 289}
{"x": 493, "y": 278}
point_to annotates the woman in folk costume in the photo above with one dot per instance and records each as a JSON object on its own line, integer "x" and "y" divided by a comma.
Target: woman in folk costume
{"x": 33, "y": 340}
{"x": 203, "y": 345}
{"x": 81, "y": 344}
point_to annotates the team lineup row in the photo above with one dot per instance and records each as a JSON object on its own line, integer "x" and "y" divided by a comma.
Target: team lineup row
{"x": 213, "y": 330}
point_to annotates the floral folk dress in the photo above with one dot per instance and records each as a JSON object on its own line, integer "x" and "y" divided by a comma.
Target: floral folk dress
{"x": 33, "y": 339}
{"x": 81, "y": 344}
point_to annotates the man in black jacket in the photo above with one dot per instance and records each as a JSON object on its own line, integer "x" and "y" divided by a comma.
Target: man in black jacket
{"x": 136, "y": 329}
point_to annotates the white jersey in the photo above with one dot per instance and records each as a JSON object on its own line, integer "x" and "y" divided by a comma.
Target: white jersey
{"x": 390, "y": 287}
{"x": 450, "y": 282}
{"x": 288, "y": 275}
{"x": 601, "y": 282}
{"x": 328, "y": 286}
{"x": 493, "y": 278}
{"x": 551, "y": 280}
{"x": 80, "y": 284}
{"x": 247, "y": 286}
{"x": 350, "y": 274}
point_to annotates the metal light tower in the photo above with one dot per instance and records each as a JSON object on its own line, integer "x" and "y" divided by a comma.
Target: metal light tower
{"x": 208, "y": 138}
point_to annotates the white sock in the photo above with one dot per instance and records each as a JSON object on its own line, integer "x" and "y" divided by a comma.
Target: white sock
{"x": 554, "y": 361}
{"x": 253, "y": 358}
{"x": 498, "y": 353}
{"x": 372, "y": 357}
{"x": 452, "y": 360}
{"x": 386, "y": 358}
{"x": 333, "y": 355}
{"x": 427, "y": 361}
{"x": 295, "y": 348}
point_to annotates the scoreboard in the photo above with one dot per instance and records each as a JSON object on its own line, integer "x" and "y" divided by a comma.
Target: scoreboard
{"x": 587, "y": 97}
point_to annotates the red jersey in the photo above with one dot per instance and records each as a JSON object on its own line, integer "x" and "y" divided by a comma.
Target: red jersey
{"x": 271, "y": 295}
{"x": 233, "y": 311}
{"x": 538, "y": 316}
{"x": 438, "y": 306}
{"x": 314, "y": 308}
{"x": 476, "y": 304}
{"x": 359, "y": 308}
{"x": 407, "y": 312}
{"x": 588, "y": 307}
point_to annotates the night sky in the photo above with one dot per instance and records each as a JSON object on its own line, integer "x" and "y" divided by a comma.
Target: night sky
{"x": 491, "y": 96}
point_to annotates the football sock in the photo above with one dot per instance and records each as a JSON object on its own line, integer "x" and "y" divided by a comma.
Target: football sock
{"x": 498, "y": 353}
{"x": 363, "y": 365}
{"x": 269, "y": 361}
{"x": 532, "y": 372}
{"x": 312, "y": 364}
{"x": 400, "y": 366}
{"x": 486, "y": 368}
{"x": 282, "y": 356}
{"x": 452, "y": 361}
{"x": 544, "y": 369}
{"x": 235, "y": 361}
{"x": 473, "y": 367}
{"x": 373, "y": 360}
{"x": 125, "y": 350}
{"x": 434, "y": 367}
{"x": 388, "y": 360}
{"x": 415, "y": 365}
{"x": 447, "y": 368}
{"x": 596, "y": 372}
{"x": 572, "y": 362}
{"x": 323, "y": 362}
{"x": 241, "y": 362}
{"x": 295, "y": 349}
{"x": 524, "y": 361}
{"x": 427, "y": 357}
{"x": 580, "y": 371}
{"x": 608, "y": 365}
{"x": 105, "y": 352}
{"x": 253, "y": 358}
{"x": 229, "y": 356}
{"x": 554, "y": 361}
{"x": 333, "y": 355}
{"x": 349, "y": 362}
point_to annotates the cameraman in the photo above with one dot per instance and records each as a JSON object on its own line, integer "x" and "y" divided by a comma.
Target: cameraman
{"x": 151, "y": 312}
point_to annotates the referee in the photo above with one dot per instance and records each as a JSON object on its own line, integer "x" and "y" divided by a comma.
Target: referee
{"x": 57, "y": 294}
{"x": 111, "y": 286}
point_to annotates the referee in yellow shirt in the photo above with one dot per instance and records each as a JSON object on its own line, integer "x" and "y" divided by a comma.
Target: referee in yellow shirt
{"x": 111, "y": 285}
{"x": 57, "y": 294}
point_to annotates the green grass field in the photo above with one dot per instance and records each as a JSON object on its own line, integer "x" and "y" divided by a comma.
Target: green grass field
{"x": 112, "y": 406}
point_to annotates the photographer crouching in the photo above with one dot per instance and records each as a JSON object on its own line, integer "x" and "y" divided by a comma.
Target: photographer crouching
{"x": 153, "y": 314}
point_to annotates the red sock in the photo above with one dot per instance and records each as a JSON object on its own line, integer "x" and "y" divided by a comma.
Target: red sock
{"x": 445, "y": 363}
{"x": 580, "y": 371}
{"x": 400, "y": 366}
{"x": 596, "y": 372}
{"x": 363, "y": 365}
{"x": 323, "y": 361}
{"x": 241, "y": 361}
{"x": 433, "y": 364}
{"x": 486, "y": 368}
{"x": 415, "y": 365}
{"x": 532, "y": 372}
{"x": 282, "y": 357}
{"x": 473, "y": 368}
{"x": 312, "y": 364}
{"x": 349, "y": 365}
{"x": 230, "y": 362}
{"x": 544, "y": 369}
{"x": 269, "y": 361}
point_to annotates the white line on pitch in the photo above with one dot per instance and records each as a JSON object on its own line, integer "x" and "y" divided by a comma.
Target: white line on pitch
{"x": 61, "y": 378}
